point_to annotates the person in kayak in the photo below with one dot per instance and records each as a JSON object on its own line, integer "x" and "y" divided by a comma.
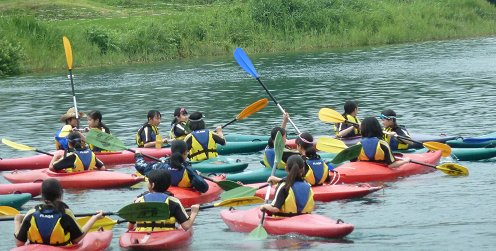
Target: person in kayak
{"x": 316, "y": 170}
{"x": 344, "y": 130}
{"x": 178, "y": 125}
{"x": 269, "y": 153}
{"x": 95, "y": 122}
{"x": 147, "y": 134}
{"x": 202, "y": 143}
{"x": 159, "y": 180}
{"x": 51, "y": 223}
{"x": 70, "y": 120}
{"x": 388, "y": 118}
{"x": 183, "y": 175}
{"x": 374, "y": 148}
{"x": 294, "y": 196}
{"x": 76, "y": 158}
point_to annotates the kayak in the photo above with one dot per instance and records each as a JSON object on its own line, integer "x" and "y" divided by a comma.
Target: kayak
{"x": 459, "y": 142}
{"x": 33, "y": 188}
{"x": 219, "y": 164}
{"x": 156, "y": 240}
{"x": 86, "y": 179}
{"x": 415, "y": 136}
{"x": 463, "y": 154}
{"x": 235, "y": 137}
{"x": 14, "y": 200}
{"x": 189, "y": 196}
{"x": 363, "y": 171}
{"x": 326, "y": 192}
{"x": 312, "y": 225}
{"x": 42, "y": 160}
{"x": 93, "y": 241}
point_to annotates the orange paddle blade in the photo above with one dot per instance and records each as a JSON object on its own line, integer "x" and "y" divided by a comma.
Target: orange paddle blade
{"x": 331, "y": 116}
{"x": 68, "y": 52}
{"x": 252, "y": 108}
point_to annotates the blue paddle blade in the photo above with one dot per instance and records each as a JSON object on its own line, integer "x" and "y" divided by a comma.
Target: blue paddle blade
{"x": 477, "y": 140}
{"x": 244, "y": 62}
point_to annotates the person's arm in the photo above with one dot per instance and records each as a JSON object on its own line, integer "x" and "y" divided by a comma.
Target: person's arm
{"x": 401, "y": 132}
{"x": 346, "y": 131}
{"x": 18, "y": 220}
{"x": 391, "y": 162}
{"x": 55, "y": 157}
{"x": 285, "y": 118}
{"x": 278, "y": 202}
{"x": 86, "y": 228}
{"x": 197, "y": 181}
{"x": 219, "y": 139}
{"x": 218, "y": 130}
{"x": 194, "y": 212}
{"x": 65, "y": 162}
{"x": 99, "y": 165}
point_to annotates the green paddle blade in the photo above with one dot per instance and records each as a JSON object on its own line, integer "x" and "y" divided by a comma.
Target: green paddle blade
{"x": 239, "y": 192}
{"x": 228, "y": 185}
{"x": 258, "y": 233}
{"x": 104, "y": 140}
{"x": 349, "y": 153}
{"x": 145, "y": 211}
{"x": 278, "y": 150}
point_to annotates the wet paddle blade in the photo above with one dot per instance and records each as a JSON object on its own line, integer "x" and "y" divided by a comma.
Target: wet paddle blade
{"x": 239, "y": 192}
{"x": 17, "y": 145}
{"x": 228, "y": 185}
{"x": 258, "y": 233}
{"x": 453, "y": 169}
{"x": 435, "y": 146}
{"x": 278, "y": 151}
{"x": 331, "y": 116}
{"x": 104, "y": 140}
{"x": 5, "y": 210}
{"x": 244, "y": 62}
{"x": 65, "y": 131}
{"x": 252, "y": 108}
{"x": 349, "y": 153}
{"x": 105, "y": 223}
{"x": 145, "y": 211}
{"x": 240, "y": 201}
{"x": 68, "y": 52}
{"x": 330, "y": 145}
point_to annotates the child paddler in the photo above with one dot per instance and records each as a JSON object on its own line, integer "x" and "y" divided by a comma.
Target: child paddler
{"x": 178, "y": 125}
{"x": 183, "y": 175}
{"x": 147, "y": 134}
{"x": 269, "y": 150}
{"x": 293, "y": 195}
{"x": 76, "y": 158}
{"x": 95, "y": 122}
{"x": 374, "y": 148}
{"x": 388, "y": 118}
{"x": 51, "y": 223}
{"x": 159, "y": 181}
{"x": 316, "y": 170}
{"x": 344, "y": 130}
{"x": 202, "y": 143}
{"x": 70, "y": 119}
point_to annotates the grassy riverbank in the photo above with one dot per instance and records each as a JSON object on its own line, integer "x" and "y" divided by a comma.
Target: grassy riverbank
{"x": 110, "y": 32}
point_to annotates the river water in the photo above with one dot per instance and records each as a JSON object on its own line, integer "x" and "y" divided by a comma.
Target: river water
{"x": 434, "y": 87}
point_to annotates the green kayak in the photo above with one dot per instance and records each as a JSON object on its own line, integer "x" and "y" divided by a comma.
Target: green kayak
{"x": 483, "y": 141}
{"x": 14, "y": 200}
{"x": 219, "y": 164}
{"x": 234, "y": 137}
{"x": 463, "y": 154}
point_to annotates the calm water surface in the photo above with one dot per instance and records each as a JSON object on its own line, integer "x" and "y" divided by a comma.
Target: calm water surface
{"x": 434, "y": 87}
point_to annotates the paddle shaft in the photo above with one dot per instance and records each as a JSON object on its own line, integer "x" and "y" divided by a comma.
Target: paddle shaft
{"x": 36, "y": 150}
{"x": 420, "y": 163}
{"x": 403, "y": 137}
{"x": 230, "y": 122}
{"x": 74, "y": 98}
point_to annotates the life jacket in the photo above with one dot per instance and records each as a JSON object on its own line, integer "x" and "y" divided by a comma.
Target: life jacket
{"x": 343, "y": 126}
{"x": 299, "y": 200}
{"x": 317, "y": 171}
{"x": 394, "y": 144}
{"x": 85, "y": 160}
{"x": 139, "y": 140}
{"x": 269, "y": 156}
{"x": 97, "y": 149}
{"x": 167, "y": 224}
{"x": 181, "y": 125}
{"x": 61, "y": 142}
{"x": 46, "y": 228}
{"x": 371, "y": 150}
{"x": 203, "y": 145}
{"x": 180, "y": 178}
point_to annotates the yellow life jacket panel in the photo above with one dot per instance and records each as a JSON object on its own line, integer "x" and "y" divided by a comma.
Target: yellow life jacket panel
{"x": 394, "y": 144}
{"x": 181, "y": 125}
{"x": 139, "y": 140}
{"x": 343, "y": 126}
{"x": 167, "y": 224}
{"x": 46, "y": 228}
{"x": 61, "y": 143}
{"x": 85, "y": 160}
{"x": 317, "y": 171}
{"x": 269, "y": 156}
{"x": 371, "y": 150}
{"x": 299, "y": 200}
{"x": 180, "y": 178}
{"x": 203, "y": 145}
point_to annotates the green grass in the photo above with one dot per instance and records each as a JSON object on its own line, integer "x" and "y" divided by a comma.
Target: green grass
{"x": 111, "y": 32}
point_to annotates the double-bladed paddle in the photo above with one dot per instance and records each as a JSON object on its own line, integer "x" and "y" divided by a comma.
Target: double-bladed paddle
{"x": 6, "y": 210}
{"x": 332, "y": 116}
{"x": 22, "y": 147}
{"x": 68, "y": 55}
{"x": 330, "y": 145}
{"x": 246, "y": 64}
{"x": 249, "y": 110}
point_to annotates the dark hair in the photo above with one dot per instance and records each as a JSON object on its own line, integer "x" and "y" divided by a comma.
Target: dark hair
{"x": 389, "y": 112}
{"x": 371, "y": 128}
{"x": 196, "y": 125}
{"x": 178, "y": 147}
{"x": 51, "y": 190}
{"x": 273, "y": 134}
{"x": 151, "y": 115}
{"x": 96, "y": 114}
{"x": 349, "y": 106}
{"x": 294, "y": 164}
{"x": 161, "y": 178}
{"x": 178, "y": 112}
{"x": 75, "y": 139}
{"x": 310, "y": 151}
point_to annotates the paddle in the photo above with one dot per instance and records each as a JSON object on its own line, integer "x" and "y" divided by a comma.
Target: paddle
{"x": 259, "y": 232}
{"x": 249, "y": 110}
{"x": 332, "y": 116}
{"x": 349, "y": 153}
{"x": 22, "y": 147}
{"x": 448, "y": 168}
{"x": 330, "y": 145}
{"x": 145, "y": 211}
{"x": 477, "y": 140}
{"x": 68, "y": 55}
{"x": 65, "y": 131}
{"x": 246, "y": 64}
{"x": 242, "y": 191}
{"x": 107, "y": 223}
{"x": 5, "y": 210}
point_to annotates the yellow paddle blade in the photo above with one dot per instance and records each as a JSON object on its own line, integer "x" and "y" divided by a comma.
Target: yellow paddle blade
{"x": 17, "y": 145}
{"x": 453, "y": 169}
{"x": 331, "y": 116}
{"x": 252, "y": 108}
{"x": 158, "y": 141}
{"x": 106, "y": 223}
{"x": 65, "y": 131}
{"x": 240, "y": 201}
{"x": 5, "y": 210}
{"x": 435, "y": 146}
{"x": 330, "y": 145}
{"x": 68, "y": 52}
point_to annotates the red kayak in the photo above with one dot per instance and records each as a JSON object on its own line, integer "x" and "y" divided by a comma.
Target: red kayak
{"x": 33, "y": 188}
{"x": 86, "y": 179}
{"x": 326, "y": 192}
{"x": 93, "y": 241}
{"x": 306, "y": 224}
{"x": 363, "y": 171}
{"x": 156, "y": 240}
{"x": 43, "y": 160}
